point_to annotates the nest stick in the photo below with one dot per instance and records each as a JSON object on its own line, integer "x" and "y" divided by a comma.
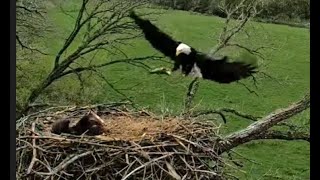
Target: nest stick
{"x": 65, "y": 163}
{"x": 34, "y": 150}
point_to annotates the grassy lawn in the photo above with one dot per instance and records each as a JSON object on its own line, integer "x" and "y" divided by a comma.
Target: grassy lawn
{"x": 289, "y": 64}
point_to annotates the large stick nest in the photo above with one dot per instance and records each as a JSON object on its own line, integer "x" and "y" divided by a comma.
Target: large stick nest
{"x": 134, "y": 145}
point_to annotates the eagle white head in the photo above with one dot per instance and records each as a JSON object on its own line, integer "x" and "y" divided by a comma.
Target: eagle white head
{"x": 183, "y": 48}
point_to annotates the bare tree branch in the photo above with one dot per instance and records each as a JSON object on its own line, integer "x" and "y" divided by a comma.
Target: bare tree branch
{"x": 30, "y": 10}
{"x": 192, "y": 90}
{"x": 74, "y": 32}
{"x": 31, "y": 25}
{"x": 239, "y": 14}
{"x": 251, "y": 51}
{"x": 246, "y": 10}
{"x": 28, "y": 47}
{"x": 258, "y": 128}
{"x": 250, "y": 90}
{"x": 93, "y": 67}
{"x": 113, "y": 87}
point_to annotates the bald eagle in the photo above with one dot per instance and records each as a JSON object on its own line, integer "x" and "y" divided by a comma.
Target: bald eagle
{"x": 191, "y": 61}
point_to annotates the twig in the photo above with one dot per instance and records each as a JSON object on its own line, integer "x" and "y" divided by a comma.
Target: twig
{"x": 227, "y": 110}
{"x": 66, "y": 162}
{"x": 23, "y": 46}
{"x": 203, "y": 171}
{"x": 251, "y": 91}
{"x": 251, "y": 51}
{"x": 34, "y": 150}
{"x": 192, "y": 90}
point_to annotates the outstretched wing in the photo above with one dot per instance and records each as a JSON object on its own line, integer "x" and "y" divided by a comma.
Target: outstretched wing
{"x": 159, "y": 40}
{"x": 217, "y": 70}
{"x": 223, "y": 71}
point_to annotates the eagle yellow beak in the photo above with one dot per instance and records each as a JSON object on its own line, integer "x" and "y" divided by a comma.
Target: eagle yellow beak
{"x": 178, "y": 52}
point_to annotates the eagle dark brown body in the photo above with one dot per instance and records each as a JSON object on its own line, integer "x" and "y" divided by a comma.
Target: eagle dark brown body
{"x": 88, "y": 124}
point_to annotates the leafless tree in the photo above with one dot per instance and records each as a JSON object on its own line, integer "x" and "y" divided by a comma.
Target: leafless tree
{"x": 100, "y": 25}
{"x": 239, "y": 15}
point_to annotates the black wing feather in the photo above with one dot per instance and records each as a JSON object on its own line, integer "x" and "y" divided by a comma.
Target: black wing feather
{"x": 223, "y": 71}
{"x": 159, "y": 40}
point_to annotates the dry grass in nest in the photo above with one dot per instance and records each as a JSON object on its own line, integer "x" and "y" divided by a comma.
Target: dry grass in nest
{"x": 134, "y": 146}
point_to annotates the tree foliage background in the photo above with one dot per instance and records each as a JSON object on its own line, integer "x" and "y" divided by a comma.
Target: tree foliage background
{"x": 273, "y": 10}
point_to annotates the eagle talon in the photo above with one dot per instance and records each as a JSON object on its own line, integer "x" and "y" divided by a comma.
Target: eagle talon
{"x": 160, "y": 70}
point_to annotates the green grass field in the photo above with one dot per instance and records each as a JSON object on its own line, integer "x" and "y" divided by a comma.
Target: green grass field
{"x": 289, "y": 64}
